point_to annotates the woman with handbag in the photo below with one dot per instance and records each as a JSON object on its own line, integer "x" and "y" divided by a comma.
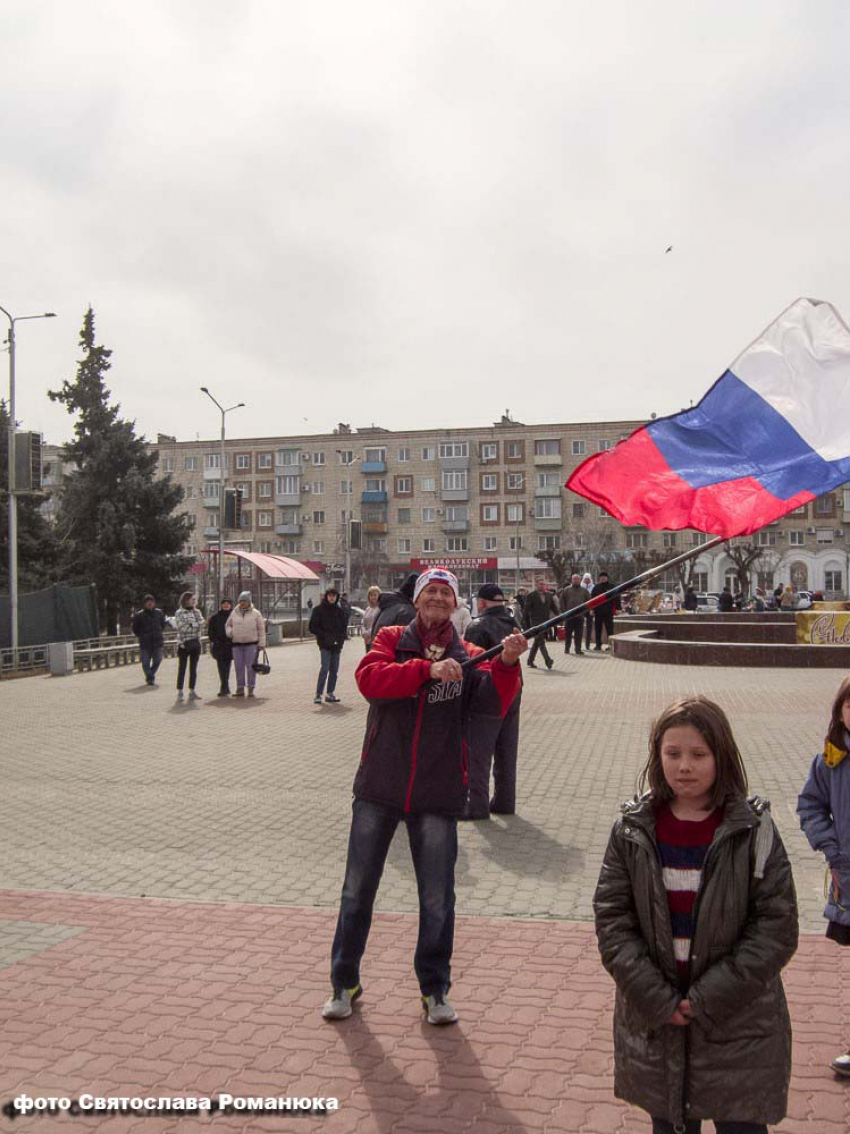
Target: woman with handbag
{"x": 246, "y": 629}
{"x": 188, "y": 622}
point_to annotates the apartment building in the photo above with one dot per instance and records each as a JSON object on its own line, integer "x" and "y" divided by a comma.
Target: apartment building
{"x": 486, "y": 501}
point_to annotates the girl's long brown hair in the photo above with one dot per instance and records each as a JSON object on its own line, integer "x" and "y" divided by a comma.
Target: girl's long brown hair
{"x": 835, "y": 735}
{"x": 713, "y": 726}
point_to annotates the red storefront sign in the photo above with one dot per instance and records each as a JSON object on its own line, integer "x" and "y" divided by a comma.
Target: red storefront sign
{"x": 470, "y": 563}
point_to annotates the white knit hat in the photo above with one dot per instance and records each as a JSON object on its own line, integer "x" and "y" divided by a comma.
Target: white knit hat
{"x": 436, "y": 575}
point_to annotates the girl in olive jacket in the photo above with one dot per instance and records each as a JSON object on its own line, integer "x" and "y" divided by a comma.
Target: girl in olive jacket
{"x": 696, "y": 916}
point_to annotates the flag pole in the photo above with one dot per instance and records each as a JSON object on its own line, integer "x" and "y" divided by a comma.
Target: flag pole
{"x": 600, "y": 600}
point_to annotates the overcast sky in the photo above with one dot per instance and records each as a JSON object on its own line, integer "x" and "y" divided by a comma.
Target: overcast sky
{"x": 415, "y": 214}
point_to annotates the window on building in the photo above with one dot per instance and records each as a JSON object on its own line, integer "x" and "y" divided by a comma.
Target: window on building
{"x": 346, "y": 456}
{"x": 375, "y": 455}
{"x": 514, "y": 450}
{"x": 318, "y": 487}
{"x": 288, "y": 516}
{"x": 403, "y": 546}
{"x": 428, "y": 453}
{"x": 264, "y": 489}
{"x": 245, "y": 487}
{"x": 515, "y": 481}
{"x": 429, "y": 515}
{"x": 605, "y": 445}
{"x": 264, "y": 460}
{"x": 515, "y": 513}
{"x": 375, "y": 484}
{"x": 243, "y": 461}
{"x": 454, "y": 449}
{"x": 318, "y": 517}
{"x": 346, "y": 487}
{"x": 318, "y": 547}
{"x": 190, "y": 464}
{"x": 550, "y": 479}
{"x": 404, "y": 515}
{"x": 287, "y": 458}
{"x": 801, "y": 511}
{"x": 578, "y": 448}
{"x": 457, "y": 543}
{"x": 825, "y": 505}
{"x": 455, "y": 480}
{"x": 265, "y": 519}
{"x": 290, "y": 546}
{"x": 377, "y": 543}
{"x": 767, "y": 539}
{"x": 191, "y": 492}
{"x": 547, "y": 447}
{"x": 245, "y": 518}
{"x": 548, "y": 508}
{"x": 429, "y": 544}
{"x": 288, "y": 485}
{"x": 212, "y": 489}
{"x": 668, "y": 539}
{"x": 429, "y": 484}
{"x": 404, "y": 486}
{"x": 318, "y": 458}
{"x": 825, "y": 535}
{"x": 699, "y": 580}
{"x": 491, "y": 543}
{"x": 489, "y": 450}
{"x": 404, "y": 455}
{"x": 489, "y": 482}
{"x": 698, "y": 539}
{"x": 489, "y": 513}
{"x": 603, "y": 515}
{"x": 457, "y": 514}
{"x": 833, "y": 580}
{"x": 796, "y": 538}
{"x": 192, "y": 521}
{"x": 548, "y": 543}
{"x": 578, "y": 511}
{"x": 212, "y": 519}
{"x": 515, "y": 543}
{"x": 213, "y": 460}
{"x": 166, "y": 464}
{"x": 636, "y": 540}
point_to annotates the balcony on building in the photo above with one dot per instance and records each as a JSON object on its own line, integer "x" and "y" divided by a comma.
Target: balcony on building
{"x": 210, "y": 532}
{"x": 288, "y": 529}
{"x": 454, "y": 462}
{"x": 455, "y": 525}
{"x": 548, "y": 490}
{"x": 452, "y": 494}
{"x": 212, "y": 474}
{"x": 373, "y": 497}
{"x": 209, "y": 497}
{"x": 376, "y": 527}
{"x": 547, "y": 523}
{"x": 373, "y": 466}
{"x": 542, "y": 459}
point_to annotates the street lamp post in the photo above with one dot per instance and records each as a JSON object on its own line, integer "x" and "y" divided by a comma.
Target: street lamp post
{"x": 346, "y": 524}
{"x": 221, "y": 480}
{"x": 13, "y": 502}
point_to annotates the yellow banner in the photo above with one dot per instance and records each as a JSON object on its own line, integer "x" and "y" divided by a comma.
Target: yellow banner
{"x": 823, "y": 628}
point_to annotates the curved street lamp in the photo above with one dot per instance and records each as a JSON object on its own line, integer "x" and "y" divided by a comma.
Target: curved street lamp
{"x": 13, "y": 502}
{"x": 222, "y": 467}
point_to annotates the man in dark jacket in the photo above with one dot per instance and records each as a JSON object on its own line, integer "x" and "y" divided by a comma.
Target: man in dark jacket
{"x": 221, "y": 647}
{"x": 726, "y": 604}
{"x": 330, "y": 627}
{"x": 413, "y": 769}
{"x": 539, "y": 606}
{"x": 691, "y": 602}
{"x": 603, "y": 616}
{"x": 396, "y": 606}
{"x": 492, "y": 740}
{"x": 574, "y": 595}
{"x": 148, "y": 625}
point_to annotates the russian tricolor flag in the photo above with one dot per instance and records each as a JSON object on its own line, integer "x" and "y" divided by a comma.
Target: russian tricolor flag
{"x": 772, "y": 433}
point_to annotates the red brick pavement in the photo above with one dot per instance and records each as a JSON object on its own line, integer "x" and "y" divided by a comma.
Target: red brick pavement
{"x": 164, "y": 997}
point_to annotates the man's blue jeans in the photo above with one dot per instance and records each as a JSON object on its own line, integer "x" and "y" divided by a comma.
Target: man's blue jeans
{"x": 433, "y": 846}
{"x": 150, "y": 659}
{"x": 328, "y": 672}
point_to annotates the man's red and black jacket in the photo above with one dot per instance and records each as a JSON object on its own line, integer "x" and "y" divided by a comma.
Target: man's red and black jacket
{"x": 415, "y": 752}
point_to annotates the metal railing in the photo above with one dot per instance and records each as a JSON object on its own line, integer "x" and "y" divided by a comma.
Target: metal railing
{"x": 25, "y": 659}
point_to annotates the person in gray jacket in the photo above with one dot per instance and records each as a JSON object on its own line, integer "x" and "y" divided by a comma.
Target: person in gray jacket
{"x": 572, "y": 596}
{"x": 701, "y": 1024}
{"x": 189, "y": 624}
{"x": 824, "y": 811}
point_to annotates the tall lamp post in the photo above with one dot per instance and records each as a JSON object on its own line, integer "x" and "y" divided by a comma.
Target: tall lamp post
{"x": 347, "y": 515}
{"x": 13, "y": 502}
{"x": 221, "y": 479}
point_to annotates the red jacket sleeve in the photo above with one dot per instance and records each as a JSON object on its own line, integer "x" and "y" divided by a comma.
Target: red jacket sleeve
{"x": 380, "y": 677}
{"x": 506, "y": 678}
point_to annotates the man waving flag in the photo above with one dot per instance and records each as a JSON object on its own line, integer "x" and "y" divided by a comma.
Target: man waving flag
{"x": 772, "y": 433}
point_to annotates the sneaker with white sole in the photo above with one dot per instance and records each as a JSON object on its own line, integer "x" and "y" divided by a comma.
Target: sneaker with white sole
{"x": 841, "y": 1065}
{"x": 317, "y": 700}
{"x": 438, "y": 1010}
{"x": 338, "y": 1004}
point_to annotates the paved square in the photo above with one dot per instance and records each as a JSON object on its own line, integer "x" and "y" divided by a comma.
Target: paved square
{"x": 169, "y": 874}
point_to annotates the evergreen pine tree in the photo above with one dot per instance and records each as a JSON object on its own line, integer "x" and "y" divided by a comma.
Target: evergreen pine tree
{"x": 117, "y": 520}
{"x": 37, "y": 546}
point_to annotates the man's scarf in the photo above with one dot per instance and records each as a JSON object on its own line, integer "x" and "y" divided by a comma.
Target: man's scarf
{"x": 833, "y": 755}
{"x": 435, "y": 639}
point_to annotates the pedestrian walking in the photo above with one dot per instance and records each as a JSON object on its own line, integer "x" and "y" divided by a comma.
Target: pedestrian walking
{"x": 538, "y": 606}
{"x": 246, "y": 629}
{"x": 370, "y": 614}
{"x": 328, "y": 623}
{"x": 148, "y": 625}
{"x": 574, "y": 595}
{"x": 492, "y": 741}
{"x": 701, "y": 1024}
{"x": 788, "y": 600}
{"x": 726, "y": 603}
{"x": 587, "y": 583}
{"x": 413, "y": 770}
{"x": 824, "y": 811}
{"x": 603, "y": 616}
{"x": 189, "y": 624}
{"x": 221, "y": 647}
{"x": 691, "y": 602}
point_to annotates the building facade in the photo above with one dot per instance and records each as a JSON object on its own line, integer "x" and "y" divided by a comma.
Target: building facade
{"x": 487, "y": 501}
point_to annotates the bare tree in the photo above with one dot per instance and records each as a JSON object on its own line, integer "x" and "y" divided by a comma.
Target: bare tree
{"x": 744, "y": 554}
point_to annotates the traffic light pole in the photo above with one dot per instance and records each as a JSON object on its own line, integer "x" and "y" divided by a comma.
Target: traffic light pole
{"x": 221, "y": 479}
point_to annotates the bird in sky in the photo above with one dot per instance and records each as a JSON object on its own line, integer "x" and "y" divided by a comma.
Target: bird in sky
{"x": 670, "y": 249}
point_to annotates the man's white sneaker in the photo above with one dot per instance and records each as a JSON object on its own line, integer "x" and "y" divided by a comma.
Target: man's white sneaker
{"x": 438, "y": 1010}
{"x": 338, "y": 1004}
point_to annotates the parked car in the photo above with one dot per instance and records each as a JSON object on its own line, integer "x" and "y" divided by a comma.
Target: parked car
{"x": 804, "y": 599}
{"x": 707, "y": 602}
